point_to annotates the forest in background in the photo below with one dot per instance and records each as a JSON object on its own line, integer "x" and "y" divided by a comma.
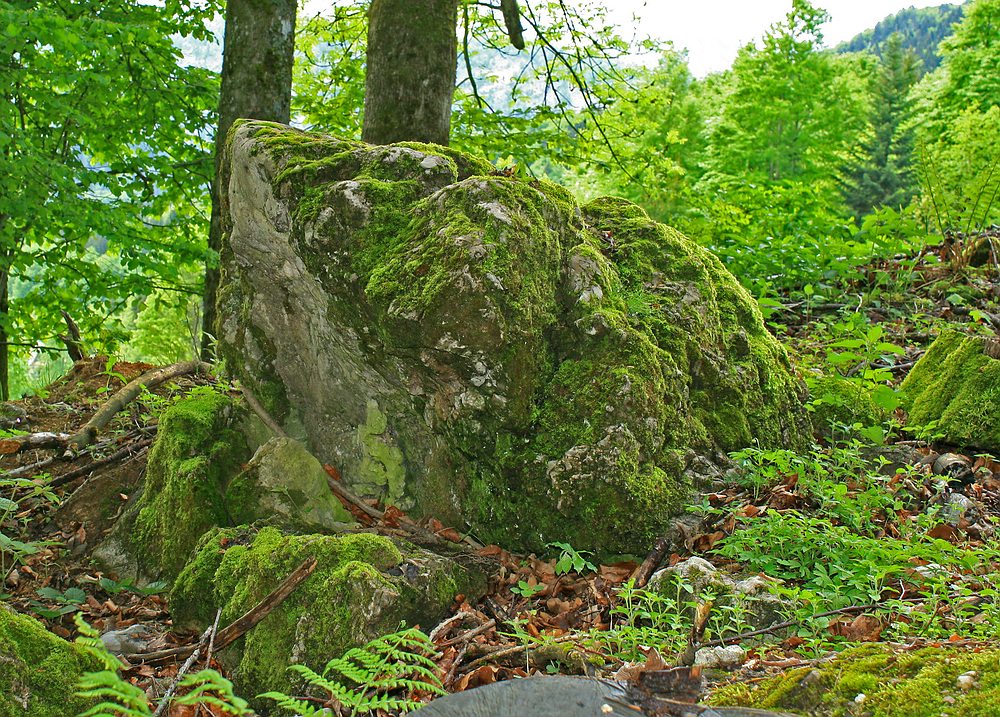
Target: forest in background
{"x": 795, "y": 166}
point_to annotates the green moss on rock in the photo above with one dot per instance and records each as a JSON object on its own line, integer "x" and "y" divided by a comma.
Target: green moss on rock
{"x": 195, "y": 455}
{"x": 363, "y": 587}
{"x": 957, "y": 385}
{"x": 921, "y": 683}
{"x": 39, "y": 672}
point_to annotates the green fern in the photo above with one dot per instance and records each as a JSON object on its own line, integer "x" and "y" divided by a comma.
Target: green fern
{"x": 120, "y": 698}
{"x": 378, "y": 676}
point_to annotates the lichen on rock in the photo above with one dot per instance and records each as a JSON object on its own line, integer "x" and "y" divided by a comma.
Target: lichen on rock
{"x": 480, "y": 348}
{"x": 363, "y": 587}
{"x": 956, "y": 385}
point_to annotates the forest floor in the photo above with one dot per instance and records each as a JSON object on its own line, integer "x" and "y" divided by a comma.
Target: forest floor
{"x": 563, "y": 614}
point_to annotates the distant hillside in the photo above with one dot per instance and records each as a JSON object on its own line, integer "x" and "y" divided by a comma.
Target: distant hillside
{"x": 921, "y": 29}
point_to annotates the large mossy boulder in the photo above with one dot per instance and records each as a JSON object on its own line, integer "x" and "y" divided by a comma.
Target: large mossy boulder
{"x": 39, "y": 672}
{"x": 882, "y": 681}
{"x": 477, "y": 346}
{"x": 364, "y": 586}
{"x": 956, "y": 385}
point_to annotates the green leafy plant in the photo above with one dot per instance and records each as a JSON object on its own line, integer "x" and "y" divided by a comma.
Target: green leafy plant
{"x": 380, "y": 675}
{"x": 19, "y": 490}
{"x": 117, "y": 697}
{"x": 526, "y": 589}
{"x": 572, "y": 560}
{"x": 68, "y": 601}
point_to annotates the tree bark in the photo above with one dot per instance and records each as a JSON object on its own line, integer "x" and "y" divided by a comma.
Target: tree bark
{"x": 258, "y": 53}
{"x": 410, "y": 77}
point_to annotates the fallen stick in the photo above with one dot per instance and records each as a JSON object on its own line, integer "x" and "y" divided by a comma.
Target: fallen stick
{"x": 133, "y": 448}
{"x": 168, "y": 695}
{"x": 262, "y": 414}
{"x": 151, "y": 379}
{"x": 782, "y": 625}
{"x": 17, "y": 444}
{"x": 469, "y": 634}
{"x": 445, "y": 625}
{"x": 243, "y": 623}
{"x": 641, "y": 574}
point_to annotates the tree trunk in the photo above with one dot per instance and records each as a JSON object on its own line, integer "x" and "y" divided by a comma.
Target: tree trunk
{"x": 4, "y": 336}
{"x": 258, "y": 53}
{"x": 410, "y": 80}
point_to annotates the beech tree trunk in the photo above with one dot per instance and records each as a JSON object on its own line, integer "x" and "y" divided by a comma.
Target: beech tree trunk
{"x": 258, "y": 53}
{"x": 411, "y": 62}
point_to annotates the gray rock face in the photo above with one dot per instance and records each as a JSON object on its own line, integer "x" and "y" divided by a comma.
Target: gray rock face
{"x": 284, "y": 484}
{"x": 748, "y": 596}
{"x": 481, "y": 348}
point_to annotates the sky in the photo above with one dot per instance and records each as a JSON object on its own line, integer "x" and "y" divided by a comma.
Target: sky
{"x": 713, "y": 30}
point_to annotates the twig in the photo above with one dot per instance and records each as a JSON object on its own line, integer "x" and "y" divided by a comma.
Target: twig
{"x": 506, "y": 651}
{"x": 787, "y": 623}
{"x": 468, "y": 635}
{"x": 262, "y": 414}
{"x": 74, "y": 344}
{"x": 245, "y": 622}
{"x": 86, "y": 435}
{"x": 642, "y": 573}
{"x": 133, "y": 448}
{"x": 446, "y": 624}
{"x": 206, "y": 636}
{"x": 211, "y": 641}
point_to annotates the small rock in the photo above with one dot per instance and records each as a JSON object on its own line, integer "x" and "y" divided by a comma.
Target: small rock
{"x": 12, "y": 416}
{"x": 130, "y": 640}
{"x": 860, "y": 698}
{"x": 967, "y": 680}
{"x": 954, "y": 466}
{"x": 957, "y": 508}
{"x": 721, "y": 657}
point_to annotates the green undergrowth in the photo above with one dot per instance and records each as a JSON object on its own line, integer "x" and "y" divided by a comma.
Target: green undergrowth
{"x": 838, "y": 531}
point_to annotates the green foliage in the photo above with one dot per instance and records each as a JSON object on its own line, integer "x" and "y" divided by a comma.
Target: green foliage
{"x": 958, "y": 121}
{"x": 15, "y": 492}
{"x": 842, "y": 551}
{"x": 920, "y": 31}
{"x": 370, "y": 678}
{"x": 881, "y": 175}
{"x": 99, "y": 204}
{"x": 571, "y": 560}
{"x": 117, "y": 697}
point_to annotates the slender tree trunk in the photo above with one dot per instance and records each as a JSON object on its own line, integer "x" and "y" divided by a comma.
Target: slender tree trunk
{"x": 410, "y": 80}
{"x": 258, "y": 53}
{"x": 4, "y": 336}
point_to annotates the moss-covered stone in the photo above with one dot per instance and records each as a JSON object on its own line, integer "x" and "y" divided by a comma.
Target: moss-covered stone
{"x": 956, "y": 384}
{"x": 284, "y": 485}
{"x": 196, "y": 454}
{"x": 894, "y": 683}
{"x": 364, "y": 586}
{"x": 39, "y": 672}
{"x": 481, "y": 348}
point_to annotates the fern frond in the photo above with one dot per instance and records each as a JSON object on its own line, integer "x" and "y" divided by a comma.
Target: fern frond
{"x": 300, "y": 707}
{"x": 119, "y": 698}
{"x": 383, "y": 672}
{"x": 89, "y": 640}
{"x": 204, "y": 684}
